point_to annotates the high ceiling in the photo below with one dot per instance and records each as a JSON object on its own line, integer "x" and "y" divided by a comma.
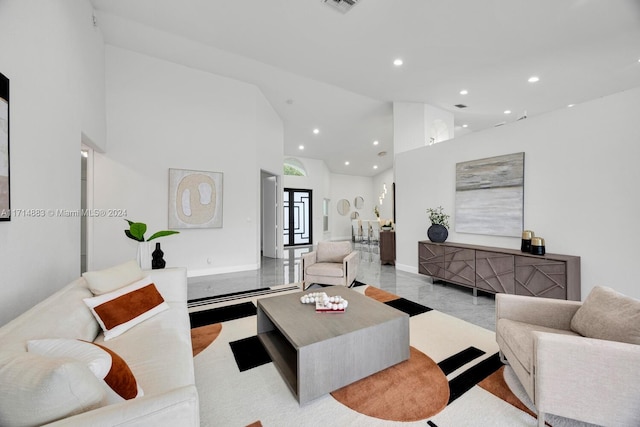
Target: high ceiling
{"x": 332, "y": 71}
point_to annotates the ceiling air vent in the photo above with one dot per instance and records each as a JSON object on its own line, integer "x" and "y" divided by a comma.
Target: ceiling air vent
{"x": 343, "y": 6}
{"x": 460, "y": 106}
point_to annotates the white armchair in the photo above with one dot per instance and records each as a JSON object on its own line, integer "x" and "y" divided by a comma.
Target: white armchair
{"x": 332, "y": 263}
{"x": 575, "y": 360}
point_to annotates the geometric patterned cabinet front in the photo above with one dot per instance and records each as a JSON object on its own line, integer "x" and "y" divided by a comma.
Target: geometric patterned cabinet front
{"x": 495, "y": 272}
{"x": 499, "y": 270}
{"x": 431, "y": 260}
{"x": 541, "y": 277}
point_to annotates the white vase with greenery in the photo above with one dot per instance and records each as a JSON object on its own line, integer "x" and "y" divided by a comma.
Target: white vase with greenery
{"x": 136, "y": 232}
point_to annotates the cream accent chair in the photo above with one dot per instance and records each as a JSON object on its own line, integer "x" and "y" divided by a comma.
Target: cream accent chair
{"x": 332, "y": 263}
{"x": 575, "y": 360}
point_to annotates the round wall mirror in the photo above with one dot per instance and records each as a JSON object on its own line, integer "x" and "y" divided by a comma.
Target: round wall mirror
{"x": 358, "y": 202}
{"x": 343, "y": 207}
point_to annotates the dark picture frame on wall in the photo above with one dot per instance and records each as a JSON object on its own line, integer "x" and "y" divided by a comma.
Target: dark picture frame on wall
{"x": 5, "y": 197}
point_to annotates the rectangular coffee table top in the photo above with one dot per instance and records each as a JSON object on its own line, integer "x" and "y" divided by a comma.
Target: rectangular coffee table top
{"x": 303, "y": 326}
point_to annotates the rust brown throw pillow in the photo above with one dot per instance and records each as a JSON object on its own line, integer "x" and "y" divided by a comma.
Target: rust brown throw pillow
{"x": 124, "y": 308}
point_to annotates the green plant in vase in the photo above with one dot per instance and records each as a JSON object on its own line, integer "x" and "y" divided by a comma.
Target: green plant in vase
{"x": 136, "y": 232}
{"x": 137, "y": 229}
{"x": 438, "y": 232}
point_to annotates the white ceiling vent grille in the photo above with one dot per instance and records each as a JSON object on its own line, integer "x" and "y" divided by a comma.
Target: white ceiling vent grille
{"x": 343, "y": 6}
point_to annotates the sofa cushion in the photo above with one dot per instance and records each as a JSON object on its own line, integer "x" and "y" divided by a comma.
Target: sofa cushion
{"x": 121, "y": 310}
{"x": 158, "y": 351}
{"x": 108, "y": 280}
{"x": 519, "y": 338}
{"x": 333, "y": 251}
{"x": 608, "y": 315}
{"x": 327, "y": 269}
{"x": 106, "y": 365}
{"x": 62, "y": 315}
{"x": 36, "y": 390}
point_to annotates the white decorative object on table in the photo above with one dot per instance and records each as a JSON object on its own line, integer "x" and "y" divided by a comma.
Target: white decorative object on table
{"x": 325, "y": 303}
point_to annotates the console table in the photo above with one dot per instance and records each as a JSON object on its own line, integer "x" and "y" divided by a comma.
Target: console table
{"x": 502, "y": 270}
{"x": 387, "y": 247}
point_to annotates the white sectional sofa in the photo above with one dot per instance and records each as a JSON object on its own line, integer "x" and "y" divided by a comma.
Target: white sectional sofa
{"x": 157, "y": 351}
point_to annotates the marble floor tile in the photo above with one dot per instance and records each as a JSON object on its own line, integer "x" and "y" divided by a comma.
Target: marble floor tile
{"x": 455, "y": 300}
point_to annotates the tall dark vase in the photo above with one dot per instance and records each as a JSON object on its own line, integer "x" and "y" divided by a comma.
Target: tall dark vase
{"x": 157, "y": 261}
{"x": 437, "y": 233}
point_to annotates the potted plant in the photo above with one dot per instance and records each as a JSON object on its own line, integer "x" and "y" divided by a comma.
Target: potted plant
{"x": 387, "y": 224}
{"x": 136, "y": 232}
{"x": 438, "y": 232}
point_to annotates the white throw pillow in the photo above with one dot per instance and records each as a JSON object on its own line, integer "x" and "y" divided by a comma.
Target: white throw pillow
{"x": 119, "y": 382}
{"x": 108, "y": 280}
{"x": 121, "y": 310}
{"x": 36, "y": 390}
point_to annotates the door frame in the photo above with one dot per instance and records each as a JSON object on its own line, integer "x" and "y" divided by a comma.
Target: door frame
{"x": 290, "y": 219}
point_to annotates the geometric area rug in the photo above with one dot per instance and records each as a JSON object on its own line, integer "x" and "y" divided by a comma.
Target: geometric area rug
{"x": 453, "y": 376}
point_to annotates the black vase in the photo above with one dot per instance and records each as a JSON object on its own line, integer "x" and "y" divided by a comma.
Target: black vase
{"x": 437, "y": 233}
{"x": 157, "y": 261}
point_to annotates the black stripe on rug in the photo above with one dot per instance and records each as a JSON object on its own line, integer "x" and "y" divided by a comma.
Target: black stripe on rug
{"x": 465, "y": 381}
{"x": 409, "y": 307}
{"x": 459, "y": 359}
{"x": 222, "y": 314}
{"x": 249, "y": 353}
{"x": 231, "y": 294}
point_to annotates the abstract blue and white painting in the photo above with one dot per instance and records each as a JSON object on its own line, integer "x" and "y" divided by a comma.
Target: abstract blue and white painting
{"x": 490, "y": 196}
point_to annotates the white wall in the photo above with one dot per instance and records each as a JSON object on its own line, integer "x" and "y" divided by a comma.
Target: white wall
{"x": 349, "y": 187}
{"x": 318, "y": 180}
{"x": 581, "y": 179}
{"x": 161, "y": 115}
{"x": 51, "y": 53}
{"x": 379, "y": 181}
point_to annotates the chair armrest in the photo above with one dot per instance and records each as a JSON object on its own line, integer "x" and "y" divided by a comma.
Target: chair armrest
{"x": 548, "y": 312}
{"x": 350, "y": 266}
{"x": 307, "y": 259}
{"x": 602, "y": 373}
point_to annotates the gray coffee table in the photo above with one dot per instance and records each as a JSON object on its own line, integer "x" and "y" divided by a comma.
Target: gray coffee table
{"x": 317, "y": 353}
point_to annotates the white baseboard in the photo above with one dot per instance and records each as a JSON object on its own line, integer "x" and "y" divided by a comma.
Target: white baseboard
{"x": 221, "y": 270}
{"x": 407, "y": 268}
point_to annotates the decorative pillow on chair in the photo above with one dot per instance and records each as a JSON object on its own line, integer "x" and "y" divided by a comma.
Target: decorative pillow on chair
{"x": 110, "y": 279}
{"x": 333, "y": 251}
{"x": 121, "y": 310}
{"x": 120, "y": 383}
{"x": 608, "y": 315}
{"x": 36, "y": 390}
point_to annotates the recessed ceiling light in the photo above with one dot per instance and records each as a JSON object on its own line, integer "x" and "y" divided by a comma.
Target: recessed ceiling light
{"x": 533, "y": 79}
{"x": 376, "y": 142}
{"x": 301, "y": 147}
{"x": 316, "y": 131}
{"x": 398, "y": 62}
{"x": 507, "y": 111}
{"x": 346, "y": 163}
{"x": 465, "y": 125}
{"x": 570, "y": 105}
{"x": 464, "y": 92}
{"x": 375, "y": 166}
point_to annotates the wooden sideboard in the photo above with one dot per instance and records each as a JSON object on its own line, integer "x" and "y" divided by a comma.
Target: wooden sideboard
{"x": 502, "y": 270}
{"x": 387, "y": 247}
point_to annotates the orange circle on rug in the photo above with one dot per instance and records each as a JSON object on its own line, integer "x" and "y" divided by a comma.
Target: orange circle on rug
{"x": 409, "y": 391}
